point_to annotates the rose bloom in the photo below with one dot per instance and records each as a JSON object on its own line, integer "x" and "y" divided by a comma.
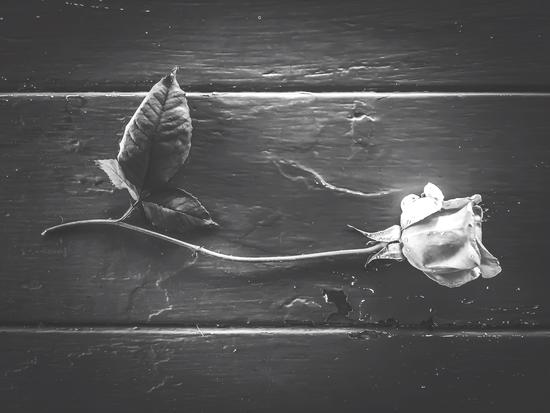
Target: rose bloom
{"x": 440, "y": 238}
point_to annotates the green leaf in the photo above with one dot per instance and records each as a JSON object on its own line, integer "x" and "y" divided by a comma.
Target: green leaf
{"x": 175, "y": 210}
{"x": 157, "y": 140}
{"x": 112, "y": 168}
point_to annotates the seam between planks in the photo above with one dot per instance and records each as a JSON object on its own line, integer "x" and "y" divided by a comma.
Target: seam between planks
{"x": 197, "y": 331}
{"x": 286, "y": 95}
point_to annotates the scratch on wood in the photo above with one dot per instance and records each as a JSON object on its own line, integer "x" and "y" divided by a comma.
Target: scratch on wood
{"x": 301, "y": 301}
{"x": 159, "y": 312}
{"x": 159, "y": 385}
{"x": 296, "y": 172}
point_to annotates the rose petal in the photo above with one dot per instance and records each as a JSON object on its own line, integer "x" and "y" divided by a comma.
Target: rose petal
{"x": 419, "y": 209}
{"x": 454, "y": 279}
{"x": 478, "y": 219}
{"x": 415, "y": 209}
{"x": 408, "y": 201}
{"x": 432, "y": 191}
{"x": 445, "y": 259}
{"x": 490, "y": 266}
{"x": 457, "y": 203}
{"x": 476, "y": 198}
{"x": 444, "y": 242}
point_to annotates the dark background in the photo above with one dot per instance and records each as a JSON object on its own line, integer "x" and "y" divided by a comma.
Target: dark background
{"x": 376, "y": 96}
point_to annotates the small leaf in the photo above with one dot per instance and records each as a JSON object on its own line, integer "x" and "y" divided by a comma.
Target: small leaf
{"x": 175, "y": 210}
{"x": 389, "y": 252}
{"x": 390, "y": 234}
{"x": 112, "y": 168}
{"x": 157, "y": 140}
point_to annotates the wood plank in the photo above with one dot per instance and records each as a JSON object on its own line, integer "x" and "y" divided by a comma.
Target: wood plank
{"x": 494, "y": 145}
{"x": 275, "y": 45}
{"x": 147, "y": 371}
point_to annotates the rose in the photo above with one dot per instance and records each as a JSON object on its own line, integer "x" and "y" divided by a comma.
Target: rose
{"x": 440, "y": 238}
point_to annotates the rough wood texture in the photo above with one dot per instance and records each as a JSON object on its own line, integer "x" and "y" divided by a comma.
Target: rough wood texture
{"x": 275, "y": 45}
{"x": 496, "y": 146}
{"x": 144, "y": 372}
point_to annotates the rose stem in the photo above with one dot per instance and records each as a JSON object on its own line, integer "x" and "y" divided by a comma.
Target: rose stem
{"x": 205, "y": 251}
{"x": 129, "y": 211}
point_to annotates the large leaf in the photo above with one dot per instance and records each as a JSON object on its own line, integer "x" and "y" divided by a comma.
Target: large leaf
{"x": 157, "y": 139}
{"x": 112, "y": 168}
{"x": 175, "y": 210}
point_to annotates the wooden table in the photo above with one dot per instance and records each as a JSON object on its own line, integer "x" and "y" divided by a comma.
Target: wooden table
{"x": 377, "y": 98}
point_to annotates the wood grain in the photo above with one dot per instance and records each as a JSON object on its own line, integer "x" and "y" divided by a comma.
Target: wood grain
{"x": 495, "y": 146}
{"x": 220, "y": 45}
{"x": 148, "y": 371}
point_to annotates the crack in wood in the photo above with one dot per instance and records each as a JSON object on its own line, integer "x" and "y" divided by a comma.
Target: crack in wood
{"x": 295, "y": 171}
